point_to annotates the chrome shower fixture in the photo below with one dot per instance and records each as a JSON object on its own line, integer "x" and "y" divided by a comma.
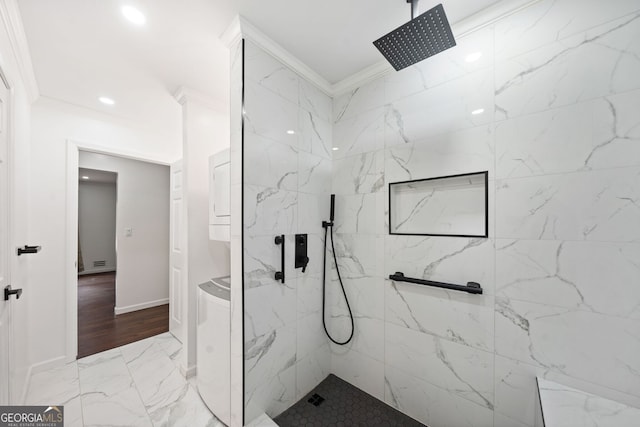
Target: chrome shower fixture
{"x": 424, "y": 36}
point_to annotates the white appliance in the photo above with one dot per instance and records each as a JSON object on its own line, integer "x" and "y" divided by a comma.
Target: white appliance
{"x": 220, "y": 196}
{"x": 213, "y": 346}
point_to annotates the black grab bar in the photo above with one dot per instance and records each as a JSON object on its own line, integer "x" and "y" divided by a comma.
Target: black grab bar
{"x": 471, "y": 287}
{"x": 279, "y": 240}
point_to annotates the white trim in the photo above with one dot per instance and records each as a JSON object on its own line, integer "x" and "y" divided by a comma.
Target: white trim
{"x": 240, "y": 27}
{"x": 184, "y": 94}
{"x": 141, "y": 306}
{"x": 40, "y": 367}
{"x": 97, "y": 271}
{"x": 10, "y": 14}
{"x": 71, "y": 274}
{"x": 189, "y": 372}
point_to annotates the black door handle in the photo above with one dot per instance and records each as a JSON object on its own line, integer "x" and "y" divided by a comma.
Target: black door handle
{"x": 8, "y": 292}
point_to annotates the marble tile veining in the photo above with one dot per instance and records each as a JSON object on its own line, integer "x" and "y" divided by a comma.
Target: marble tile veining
{"x": 134, "y": 385}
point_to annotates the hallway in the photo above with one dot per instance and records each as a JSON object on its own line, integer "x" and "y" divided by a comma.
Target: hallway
{"x": 137, "y": 384}
{"x": 99, "y": 329}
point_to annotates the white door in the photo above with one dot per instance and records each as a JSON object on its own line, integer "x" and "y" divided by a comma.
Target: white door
{"x": 177, "y": 275}
{"x": 5, "y": 308}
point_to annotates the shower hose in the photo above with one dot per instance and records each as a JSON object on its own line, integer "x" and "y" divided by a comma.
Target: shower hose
{"x": 324, "y": 281}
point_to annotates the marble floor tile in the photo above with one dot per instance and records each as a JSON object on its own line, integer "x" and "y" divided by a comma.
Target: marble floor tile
{"x": 138, "y": 384}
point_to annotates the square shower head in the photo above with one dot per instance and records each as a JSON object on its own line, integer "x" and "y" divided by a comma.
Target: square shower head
{"x": 418, "y": 39}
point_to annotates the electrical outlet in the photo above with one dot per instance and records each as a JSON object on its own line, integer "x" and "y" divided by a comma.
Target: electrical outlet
{"x": 128, "y": 232}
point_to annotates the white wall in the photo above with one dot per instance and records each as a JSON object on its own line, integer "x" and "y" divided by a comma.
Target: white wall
{"x": 205, "y": 132}
{"x": 287, "y": 180}
{"x": 97, "y": 225}
{"x": 53, "y": 123}
{"x": 559, "y": 137}
{"x": 142, "y": 279}
{"x": 19, "y": 171}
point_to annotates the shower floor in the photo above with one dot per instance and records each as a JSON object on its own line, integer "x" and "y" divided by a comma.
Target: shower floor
{"x": 335, "y": 402}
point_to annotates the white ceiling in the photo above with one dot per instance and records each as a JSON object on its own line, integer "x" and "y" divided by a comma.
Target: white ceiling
{"x": 83, "y": 49}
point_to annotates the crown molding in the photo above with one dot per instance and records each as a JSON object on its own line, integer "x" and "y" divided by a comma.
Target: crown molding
{"x": 241, "y": 28}
{"x": 12, "y": 20}
{"x": 185, "y": 94}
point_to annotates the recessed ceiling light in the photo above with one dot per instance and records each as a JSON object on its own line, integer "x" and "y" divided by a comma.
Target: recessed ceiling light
{"x": 85, "y": 177}
{"x": 473, "y": 57}
{"x": 134, "y": 15}
{"x": 291, "y": 132}
{"x": 478, "y": 111}
{"x": 106, "y": 100}
{"x": 335, "y": 148}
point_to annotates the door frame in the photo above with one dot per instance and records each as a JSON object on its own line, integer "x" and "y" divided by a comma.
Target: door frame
{"x": 71, "y": 228}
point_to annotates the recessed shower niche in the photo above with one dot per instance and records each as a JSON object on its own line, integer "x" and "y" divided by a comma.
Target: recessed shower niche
{"x": 454, "y": 205}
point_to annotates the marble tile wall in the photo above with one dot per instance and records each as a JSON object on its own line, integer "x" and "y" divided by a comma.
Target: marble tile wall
{"x": 560, "y": 137}
{"x": 287, "y": 181}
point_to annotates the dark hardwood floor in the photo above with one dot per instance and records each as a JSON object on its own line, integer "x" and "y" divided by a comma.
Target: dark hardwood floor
{"x": 100, "y": 329}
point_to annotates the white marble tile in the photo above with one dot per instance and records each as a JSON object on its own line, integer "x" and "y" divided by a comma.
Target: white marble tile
{"x": 432, "y": 405}
{"x": 368, "y": 336}
{"x": 596, "y": 134}
{"x": 105, "y": 374}
{"x": 462, "y": 318}
{"x": 121, "y": 409}
{"x": 441, "y": 110}
{"x": 266, "y": 357}
{"x": 571, "y": 274}
{"x": 461, "y": 370}
{"x": 264, "y": 69}
{"x": 314, "y": 101}
{"x": 269, "y": 211}
{"x": 169, "y": 344}
{"x": 269, "y": 115}
{"x": 596, "y": 205}
{"x": 366, "y": 297}
{"x": 356, "y": 213}
{"x": 272, "y": 396}
{"x": 465, "y": 151}
{"x": 361, "y": 371}
{"x": 263, "y": 420}
{"x": 312, "y": 210}
{"x": 315, "y": 245}
{"x": 310, "y": 334}
{"x": 316, "y": 136}
{"x": 309, "y": 295}
{"x": 555, "y": 75}
{"x": 311, "y": 370}
{"x": 269, "y": 163}
{"x": 269, "y": 307}
{"x": 362, "y": 173}
{"x": 360, "y": 134}
{"x": 262, "y": 260}
{"x": 155, "y": 375}
{"x": 448, "y": 65}
{"x": 314, "y": 174}
{"x": 500, "y": 420}
{"x": 358, "y": 100}
{"x": 564, "y": 406}
{"x": 539, "y": 335}
{"x": 440, "y": 259}
{"x": 186, "y": 409}
{"x": 73, "y": 412}
{"x": 55, "y": 386}
{"x": 548, "y": 21}
{"x": 357, "y": 255}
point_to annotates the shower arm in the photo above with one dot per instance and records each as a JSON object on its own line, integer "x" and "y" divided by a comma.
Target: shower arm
{"x": 414, "y": 8}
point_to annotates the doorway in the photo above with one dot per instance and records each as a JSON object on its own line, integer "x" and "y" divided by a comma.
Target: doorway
{"x": 122, "y": 249}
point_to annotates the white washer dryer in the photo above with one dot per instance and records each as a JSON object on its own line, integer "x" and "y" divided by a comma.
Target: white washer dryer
{"x": 214, "y": 347}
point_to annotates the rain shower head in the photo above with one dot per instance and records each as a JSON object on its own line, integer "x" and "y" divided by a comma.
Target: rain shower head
{"x": 418, "y": 39}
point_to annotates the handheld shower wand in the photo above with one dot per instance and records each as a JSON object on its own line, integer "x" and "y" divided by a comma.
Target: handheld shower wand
{"x": 326, "y": 225}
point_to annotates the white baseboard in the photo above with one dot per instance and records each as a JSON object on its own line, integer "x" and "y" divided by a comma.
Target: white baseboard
{"x": 141, "y": 306}
{"x": 97, "y": 271}
{"x": 40, "y": 367}
{"x": 189, "y": 372}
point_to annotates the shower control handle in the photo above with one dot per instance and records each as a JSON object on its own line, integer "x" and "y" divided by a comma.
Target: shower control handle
{"x": 301, "y": 258}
